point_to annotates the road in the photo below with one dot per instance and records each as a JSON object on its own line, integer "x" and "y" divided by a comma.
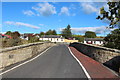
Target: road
{"x": 57, "y": 62}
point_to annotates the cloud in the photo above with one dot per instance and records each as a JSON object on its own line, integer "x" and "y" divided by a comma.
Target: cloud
{"x": 41, "y": 24}
{"x": 97, "y": 30}
{"x": 21, "y": 24}
{"x": 89, "y": 8}
{"x": 93, "y": 7}
{"x": 45, "y": 9}
{"x": 64, "y": 11}
{"x": 28, "y": 12}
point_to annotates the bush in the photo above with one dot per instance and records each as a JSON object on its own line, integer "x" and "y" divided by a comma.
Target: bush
{"x": 12, "y": 42}
{"x": 33, "y": 39}
{"x": 113, "y": 39}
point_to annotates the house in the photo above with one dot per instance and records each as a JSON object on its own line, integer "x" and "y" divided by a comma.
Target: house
{"x": 5, "y": 36}
{"x": 37, "y": 35}
{"x": 26, "y": 36}
{"x": 95, "y": 41}
{"x": 52, "y": 38}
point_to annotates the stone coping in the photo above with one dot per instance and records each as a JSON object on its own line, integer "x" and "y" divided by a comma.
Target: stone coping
{"x": 20, "y": 46}
{"x": 100, "y": 47}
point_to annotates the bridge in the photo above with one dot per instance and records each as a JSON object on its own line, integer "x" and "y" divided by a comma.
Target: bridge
{"x": 56, "y": 61}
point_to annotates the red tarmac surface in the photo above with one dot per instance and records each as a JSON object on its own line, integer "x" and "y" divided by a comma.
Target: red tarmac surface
{"x": 94, "y": 68}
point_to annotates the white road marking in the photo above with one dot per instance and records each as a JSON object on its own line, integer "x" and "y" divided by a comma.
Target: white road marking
{"x": 24, "y": 62}
{"x": 86, "y": 73}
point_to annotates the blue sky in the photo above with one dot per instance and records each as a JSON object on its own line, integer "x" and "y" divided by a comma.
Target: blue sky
{"x": 34, "y": 17}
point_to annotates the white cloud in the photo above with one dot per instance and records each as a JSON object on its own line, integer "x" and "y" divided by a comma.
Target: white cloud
{"x": 64, "y": 11}
{"x": 3, "y": 32}
{"x": 21, "y": 24}
{"x": 89, "y": 8}
{"x": 97, "y": 30}
{"x": 41, "y": 24}
{"x": 45, "y": 9}
{"x": 93, "y": 7}
{"x": 28, "y": 12}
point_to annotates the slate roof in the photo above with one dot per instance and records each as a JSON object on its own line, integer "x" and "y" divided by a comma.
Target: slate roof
{"x": 51, "y": 36}
{"x": 94, "y": 39}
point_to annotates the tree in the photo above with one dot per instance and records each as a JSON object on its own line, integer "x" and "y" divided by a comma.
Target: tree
{"x": 113, "y": 15}
{"x": 42, "y": 33}
{"x": 49, "y": 32}
{"x": 8, "y": 33}
{"x": 67, "y": 32}
{"x": 15, "y": 35}
{"x": 113, "y": 39}
{"x": 54, "y": 32}
{"x": 90, "y": 34}
{"x": 80, "y": 38}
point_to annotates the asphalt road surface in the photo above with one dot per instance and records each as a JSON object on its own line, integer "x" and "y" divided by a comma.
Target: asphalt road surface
{"x": 57, "y": 62}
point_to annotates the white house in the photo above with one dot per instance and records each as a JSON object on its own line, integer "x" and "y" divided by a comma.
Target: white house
{"x": 25, "y": 35}
{"x": 95, "y": 41}
{"x": 52, "y": 38}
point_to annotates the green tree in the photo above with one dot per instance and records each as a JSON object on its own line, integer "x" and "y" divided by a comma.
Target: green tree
{"x": 113, "y": 39}
{"x": 42, "y": 33}
{"x": 33, "y": 39}
{"x": 113, "y": 14}
{"x": 49, "y": 32}
{"x": 8, "y": 33}
{"x": 54, "y": 32}
{"x": 80, "y": 38}
{"x": 67, "y": 32}
{"x": 90, "y": 34}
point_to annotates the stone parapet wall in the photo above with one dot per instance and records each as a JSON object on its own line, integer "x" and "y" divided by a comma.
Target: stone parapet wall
{"x": 20, "y": 53}
{"x": 109, "y": 57}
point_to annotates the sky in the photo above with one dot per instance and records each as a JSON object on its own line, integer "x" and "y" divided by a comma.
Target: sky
{"x": 34, "y": 17}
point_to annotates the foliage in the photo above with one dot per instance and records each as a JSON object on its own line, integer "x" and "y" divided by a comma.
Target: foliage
{"x": 8, "y": 33}
{"x": 99, "y": 37}
{"x": 14, "y": 35}
{"x": 90, "y": 34}
{"x": 80, "y": 38}
{"x": 11, "y": 42}
{"x": 54, "y": 32}
{"x": 15, "y": 41}
{"x": 67, "y": 32}
{"x": 42, "y": 33}
{"x": 33, "y": 39}
{"x": 113, "y": 15}
{"x": 113, "y": 39}
{"x": 51, "y": 32}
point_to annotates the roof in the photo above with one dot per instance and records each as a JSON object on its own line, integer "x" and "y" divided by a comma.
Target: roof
{"x": 94, "y": 39}
{"x": 51, "y": 36}
{"x": 8, "y": 36}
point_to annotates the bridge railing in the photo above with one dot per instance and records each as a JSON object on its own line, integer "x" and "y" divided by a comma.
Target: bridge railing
{"x": 20, "y": 53}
